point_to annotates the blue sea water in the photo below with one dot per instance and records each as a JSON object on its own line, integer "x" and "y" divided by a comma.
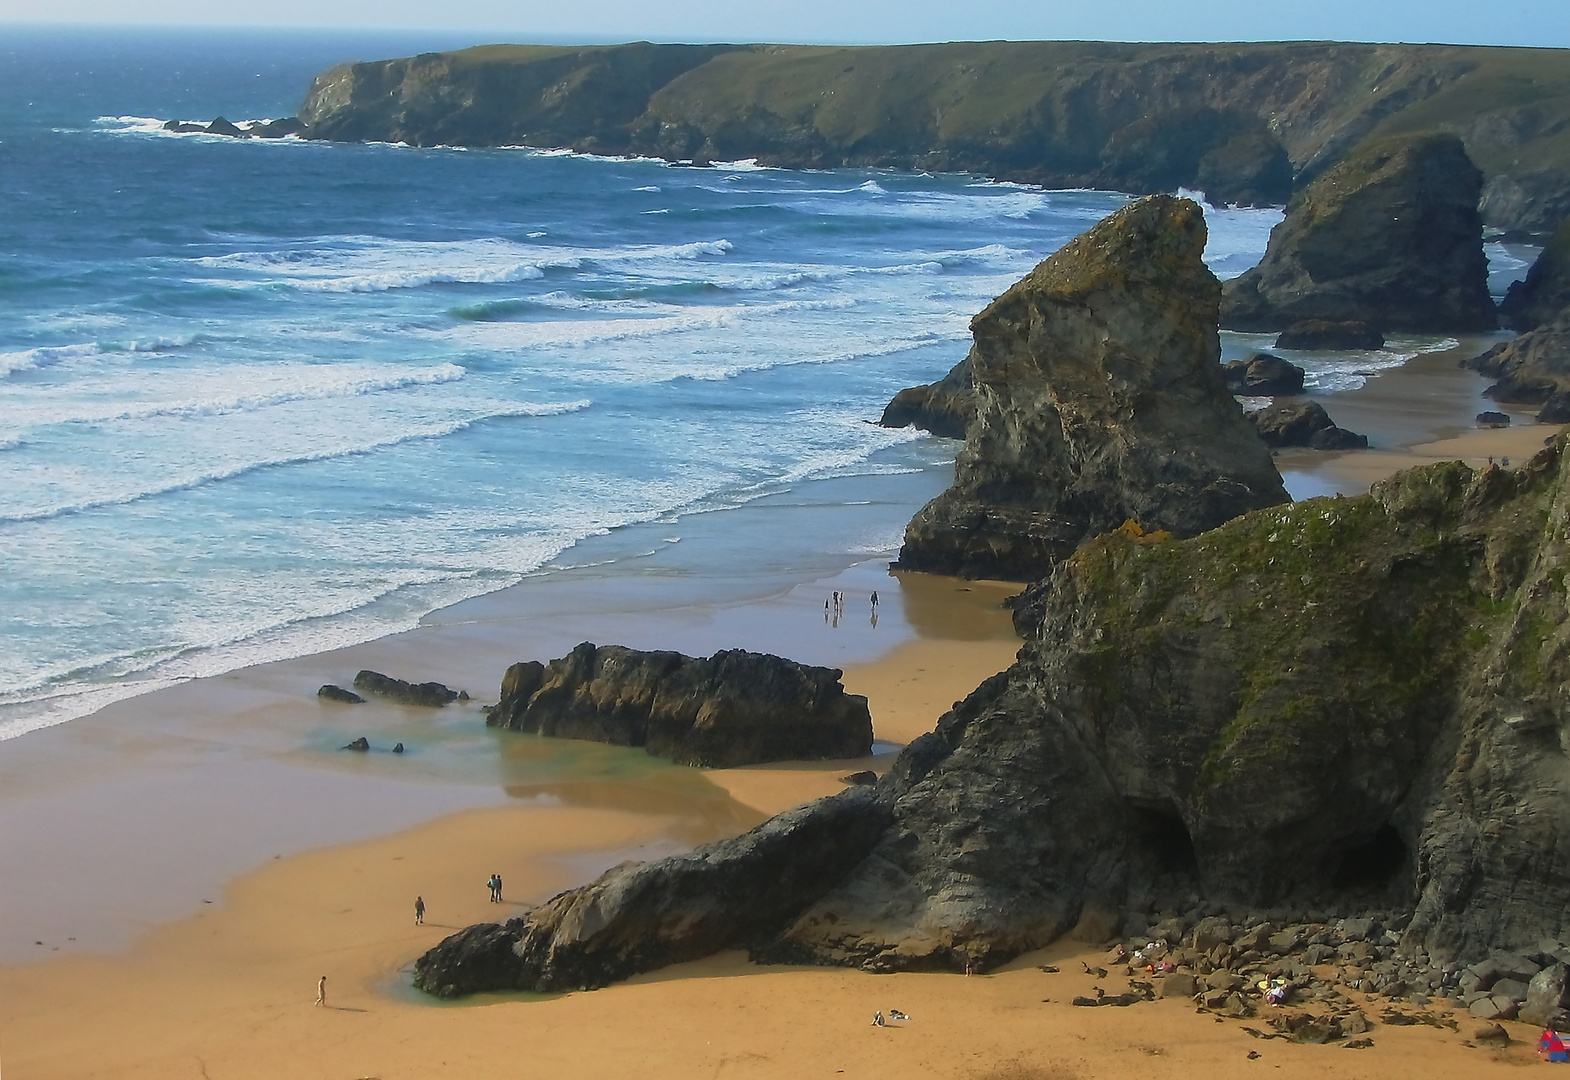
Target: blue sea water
{"x": 265, "y": 398}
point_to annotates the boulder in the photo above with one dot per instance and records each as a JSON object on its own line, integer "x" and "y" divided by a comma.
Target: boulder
{"x": 1099, "y": 400}
{"x": 1351, "y": 703}
{"x": 361, "y": 744}
{"x": 276, "y": 129}
{"x": 1263, "y": 375}
{"x": 733, "y": 708}
{"x": 1303, "y": 423}
{"x": 1545, "y": 294}
{"x": 429, "y": 694}
{"x": 338, "y": 693}
{"x": 182, "y": 128}
{"x": 1546, "y": 996}
{"x": 1533, "y": 369}
{"x": 943, "y": 408}
{"x": 1179, "y": 984}
{"x": 1390, "y": 235}
{"x": 1327, "y": 335}
{"x": 1493, "y": 420}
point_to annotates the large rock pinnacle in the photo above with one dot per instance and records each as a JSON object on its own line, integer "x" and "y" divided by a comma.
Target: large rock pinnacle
{"x": 1099, "y": 399}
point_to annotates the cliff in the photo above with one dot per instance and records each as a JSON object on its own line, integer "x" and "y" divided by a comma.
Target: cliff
{"x": 1243, "y": 122}
{"x": 1389, "y": 237}
{"x": 1332, "y": 705}
{"x": 1099, "y": 398}
{"x": 1545, "y": 294}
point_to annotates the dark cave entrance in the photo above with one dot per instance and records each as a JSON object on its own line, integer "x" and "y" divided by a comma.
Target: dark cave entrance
{"x": 1162, "y": 832}
{"x": 1374, "y": 864}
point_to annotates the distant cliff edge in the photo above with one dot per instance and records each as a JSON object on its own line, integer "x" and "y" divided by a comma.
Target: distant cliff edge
{"x": 1243, "y": 122}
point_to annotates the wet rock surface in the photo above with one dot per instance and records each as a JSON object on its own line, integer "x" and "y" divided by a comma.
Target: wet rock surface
{"x": 733, "y": 708}
{"x": 1303, "y": 423}
{"x": 1310, "y": 334}
{"x": 1099, "y": 399}
{"x": 1263, "y": 375}
{"x": 1389, "y": 236}
{"x": 427, "y": 694}
{"x": 331, "y": 692}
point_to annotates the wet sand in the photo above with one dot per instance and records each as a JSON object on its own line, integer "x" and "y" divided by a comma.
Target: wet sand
{"x": 179, "y": 837}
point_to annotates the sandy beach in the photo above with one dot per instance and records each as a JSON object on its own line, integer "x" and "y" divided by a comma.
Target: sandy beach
{"x": 179, "y": 869}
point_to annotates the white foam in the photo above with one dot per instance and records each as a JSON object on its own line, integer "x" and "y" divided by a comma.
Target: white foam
{"x": 42, "y": 357}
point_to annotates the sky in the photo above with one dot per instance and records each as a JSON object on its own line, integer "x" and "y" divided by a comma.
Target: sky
{"x": 1481, "y": 22}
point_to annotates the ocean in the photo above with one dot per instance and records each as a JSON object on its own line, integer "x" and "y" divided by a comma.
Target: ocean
{"x": 262, "y": 399}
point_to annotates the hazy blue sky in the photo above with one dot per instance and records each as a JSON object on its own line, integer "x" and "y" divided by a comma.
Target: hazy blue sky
{"x": 1502, "y": 22}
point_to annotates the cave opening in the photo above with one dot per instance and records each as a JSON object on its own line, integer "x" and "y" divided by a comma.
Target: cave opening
{"x": 1374, "y": 863}
{"x": 1162, "y": 831}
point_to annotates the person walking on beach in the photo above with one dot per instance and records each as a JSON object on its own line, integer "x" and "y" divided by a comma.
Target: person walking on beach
{"x": 874, "y": 599}
{"x": 490, "y": 883}
{"x": 498, "y": 888}
{"x": 321, "y": 990}
{"x": 419, "y": 911}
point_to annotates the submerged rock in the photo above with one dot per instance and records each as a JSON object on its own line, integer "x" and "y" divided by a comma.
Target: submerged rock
{"x": 1310, "y": 334}
{"x": 220, "y": 126}
{"x": 331, "y": 692}
{"x": 1389, "y": 235}
{"x": 944, "y": 408}
{"x": 1493, "y": 420}
{"x": 1303, "y": 423}
{"x": 1099, "y": 399}
{"x": 1353, "y": 704}
{"x": 1545, "y": 294}
{"x": 361, "y": 744}
{"x": 1533, "y": 369}
{"x": 429, "y": 694}
{"x": 733, "y": 708}
{"x": 1263, "y": 375}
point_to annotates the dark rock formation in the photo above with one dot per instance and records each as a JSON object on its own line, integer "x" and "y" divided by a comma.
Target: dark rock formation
{"x": 1389, "y": 236}
{"x": 220, "y": 126}
{"x": 944, "y": 408}
{"x": 338, "y": 693}
{"x": 1533, "y": 369}
{"x": 1100, "y": 399}
{"x": 1545, "y": 294}
{"x": 1303, "y": 423}
{"x": 641, "y": 916}
{"x": 430, "y": 694}
{"x": 733, "y": 708}
{"x": 1263, "y": 375}
{"x": 181, "y": 128}
{"x": 1493, "y": 420}
{"x": 1311, "y": 334}
{"x": 1241, "y": 122}
{"x": 276, "y": 129}
{"x": 362, "y": 744}
{"x": 1344, "y": 703}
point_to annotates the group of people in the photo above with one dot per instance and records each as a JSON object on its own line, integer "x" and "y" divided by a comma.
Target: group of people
{"x": 834, "y": 608}
{"x": 495, "y": 885}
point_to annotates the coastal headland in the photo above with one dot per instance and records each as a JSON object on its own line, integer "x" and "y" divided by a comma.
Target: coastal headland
{"x": 1245, "y": 123}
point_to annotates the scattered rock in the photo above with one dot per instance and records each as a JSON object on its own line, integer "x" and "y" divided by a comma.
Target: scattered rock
{"x": 338, "y": 693}
{"x": 398, "y": 748}
{"x": 1099, "y": 400}
{"x": 1546, "y": 997}
{"x": 1545, "y": 294}
{"x": 733, "y": 708}
{"x": 361, "y": 744}
{"x": 1303, "y": 423}
{"x": 1179, "y": 984}
{"x": 1263, "y": 375}
{"x": 1390, "y": 235}
{"x": 864, "y": 777}
{"x": 1493, "y": 1033}
{"x": 1533, "y": 369}
{"x": 1358, "y": 1044}
{"x": 429, "y": 694}
{"x": 1330, "y": 335}
{"x": 1492, "y": 1007}
{"x": 944, "y": 408}
{"x": 1493, "y": 420}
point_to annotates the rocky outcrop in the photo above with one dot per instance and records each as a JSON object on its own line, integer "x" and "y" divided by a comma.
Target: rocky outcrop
{"x": 641, "y": 916}
{"x": 944, "y": 408}
{"x": 1303, "y": 423}
{"x": 1337, "y": 705}
{"x": 1545, "y": 294}
{"x": 260, "y": 129}
{"x": 1533, "y": 369}
{"x": 1241, "y": 122}
{"x": 427, "y": 694}
{"x": 1099, "y": 399}
{"x": 1330, "y": 334}
{"x": 331, "y": 692}
{"x": 1263, "y": 375}
{"x": 1389, "y": 236}
{"x": 733, "y": 708}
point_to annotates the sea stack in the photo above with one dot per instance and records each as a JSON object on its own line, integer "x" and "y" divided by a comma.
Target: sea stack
{"x": 1100, "y": 399}
{"x": 1389, "y": 236}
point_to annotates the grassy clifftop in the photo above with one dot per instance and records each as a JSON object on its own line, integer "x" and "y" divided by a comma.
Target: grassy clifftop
{"x": 1245, "y": 121}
